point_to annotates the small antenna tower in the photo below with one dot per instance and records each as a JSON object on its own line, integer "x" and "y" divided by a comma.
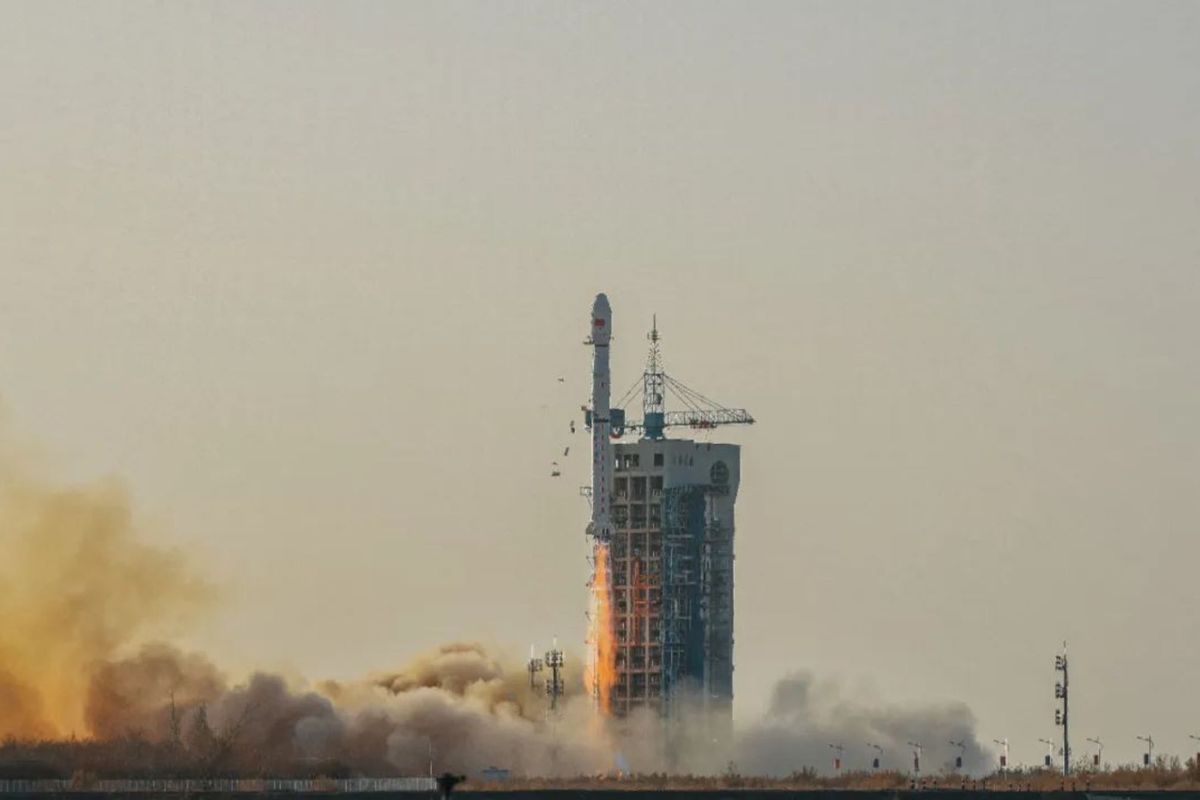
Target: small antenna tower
{"x": 554, "y": 686}
{"x": 534, "y": 666}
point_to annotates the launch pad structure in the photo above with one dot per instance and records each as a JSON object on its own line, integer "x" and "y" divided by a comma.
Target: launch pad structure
{"x": 663, "y": 524}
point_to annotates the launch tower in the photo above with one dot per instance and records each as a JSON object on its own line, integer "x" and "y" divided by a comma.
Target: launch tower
{"x": 669, "y": 556}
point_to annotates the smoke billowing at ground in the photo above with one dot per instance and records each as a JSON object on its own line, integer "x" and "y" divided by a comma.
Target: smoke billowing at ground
{"x": 77, "y": 585}
{"x": 88, "y": 604}
{"x": 806, "y": 716}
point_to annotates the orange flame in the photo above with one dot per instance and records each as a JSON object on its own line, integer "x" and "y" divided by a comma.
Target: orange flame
{"x": 601, "y": 673}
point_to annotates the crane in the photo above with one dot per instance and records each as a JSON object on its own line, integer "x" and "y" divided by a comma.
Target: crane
{"x": 698, "y": 412}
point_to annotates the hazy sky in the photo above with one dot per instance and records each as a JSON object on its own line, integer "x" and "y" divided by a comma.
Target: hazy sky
{"x": 305, "y": 276}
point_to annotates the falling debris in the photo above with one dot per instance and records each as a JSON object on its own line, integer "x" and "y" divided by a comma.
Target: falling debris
{"x": 555, "y": 473}
{"x": 560, "y": 380}
{"x": 572, "y": 426}
{"x": 566, "y": 451}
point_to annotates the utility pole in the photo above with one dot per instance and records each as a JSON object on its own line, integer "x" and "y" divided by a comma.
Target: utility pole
{"x": 879, "y": 758}
{"x": 1004, "y": 755}
{"x": 1060, "y": 715}
{"x": 1099, "y": 751}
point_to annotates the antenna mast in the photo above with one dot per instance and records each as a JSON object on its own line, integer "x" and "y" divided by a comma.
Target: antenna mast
{"x": 654, "y": 387}
{"x": 698, "y": 411}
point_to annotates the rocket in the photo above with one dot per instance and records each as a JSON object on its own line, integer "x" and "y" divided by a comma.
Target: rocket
{"x": 602, "y": 460}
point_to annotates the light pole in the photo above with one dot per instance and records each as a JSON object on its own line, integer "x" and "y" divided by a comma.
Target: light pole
{"x": 879, "y": 758}
{"x": 916, "y": 746}
{"x": 837, "y": 760}
{"x": 1050, "y": 753}
{"x": 1099, "y": 751}
{"x": 962, "y": 749}
{"x": 1004, "y": 755}
{"x": 1148, "y": 756}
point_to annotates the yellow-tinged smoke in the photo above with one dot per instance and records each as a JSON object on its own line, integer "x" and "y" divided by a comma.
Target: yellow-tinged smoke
{"x": 601, "y": 674}
{"x": 77, "y": 585}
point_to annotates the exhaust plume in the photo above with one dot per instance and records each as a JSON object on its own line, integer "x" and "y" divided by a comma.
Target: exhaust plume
{"x": 601, "y": 674}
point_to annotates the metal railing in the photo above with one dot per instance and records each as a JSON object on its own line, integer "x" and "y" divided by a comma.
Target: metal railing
{"x": 227, "y": 785}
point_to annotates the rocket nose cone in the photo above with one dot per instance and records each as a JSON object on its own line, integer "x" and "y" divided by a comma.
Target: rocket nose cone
{"x": 601, "y": 320}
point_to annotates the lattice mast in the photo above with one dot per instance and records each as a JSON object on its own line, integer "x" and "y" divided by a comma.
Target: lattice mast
{"x": 698, "y": 411}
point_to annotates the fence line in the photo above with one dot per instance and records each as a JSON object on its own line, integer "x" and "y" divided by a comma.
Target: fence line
{"x": 239, "y": 785}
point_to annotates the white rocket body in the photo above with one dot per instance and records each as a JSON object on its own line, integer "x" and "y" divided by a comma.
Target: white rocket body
{"x": 602, "y": 461}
